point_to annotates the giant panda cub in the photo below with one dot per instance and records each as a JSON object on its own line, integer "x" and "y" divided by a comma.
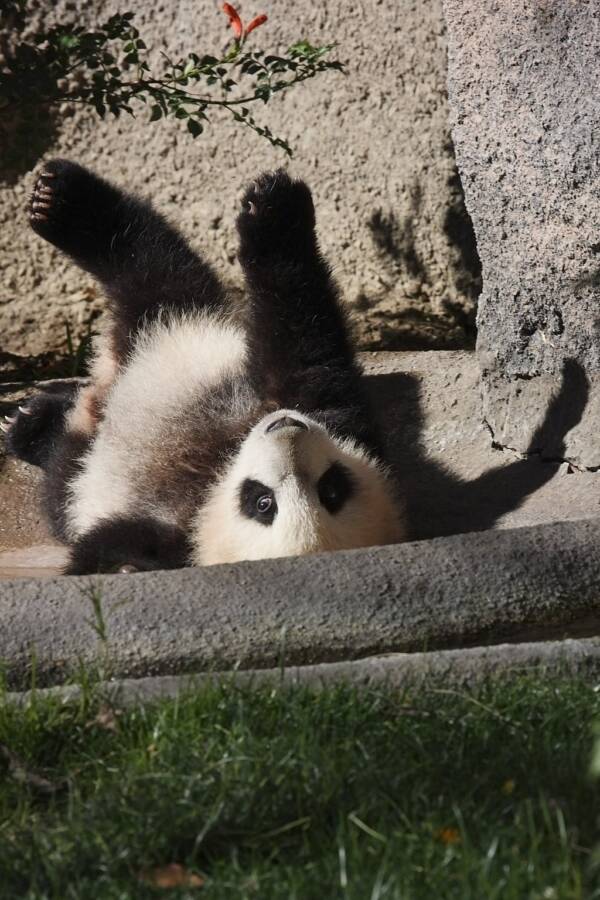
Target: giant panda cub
{"x": 204, "y": 436}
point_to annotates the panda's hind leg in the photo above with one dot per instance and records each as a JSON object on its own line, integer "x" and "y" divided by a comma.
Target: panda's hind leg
{"x": 142, "y": 262}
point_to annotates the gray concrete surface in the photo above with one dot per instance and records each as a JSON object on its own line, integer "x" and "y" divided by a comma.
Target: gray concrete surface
{"x": 375, "y": 147}
{"x": 523, "y": 85}
{"x": 452, "y": 477}
{"x": 516, "y": 585}
{"x": 441, "y": 669}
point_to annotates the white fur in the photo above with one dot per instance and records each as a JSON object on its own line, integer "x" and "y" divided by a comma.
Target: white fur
{"x": 173, "y": 360}
{"x": 173, "y": 363}
{"x": 290, "y": 462}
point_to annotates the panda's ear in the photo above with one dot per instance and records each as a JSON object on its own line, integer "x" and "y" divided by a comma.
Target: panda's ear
{"x": 129, "y": 544}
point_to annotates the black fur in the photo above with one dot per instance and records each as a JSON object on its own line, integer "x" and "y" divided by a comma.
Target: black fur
{"x": 335, "y": 487}
{"x": 141, "y": 261}
{"x": 40, "y": 424}
{"x": 257, "y": 501}
{"x": 38, "y": 436}
{"x": 62, "y": 466}
{"x": 142, "y": 544}
{"x": 300, "y": 353}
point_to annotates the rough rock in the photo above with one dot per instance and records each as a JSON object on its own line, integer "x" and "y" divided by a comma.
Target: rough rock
{"x": 374, "y": 145}
{"x": 459, "y": 668}
{"x": 523, "y": 85}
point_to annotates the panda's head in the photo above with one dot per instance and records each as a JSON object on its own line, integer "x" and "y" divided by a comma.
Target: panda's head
{"x": 294, "y": 489}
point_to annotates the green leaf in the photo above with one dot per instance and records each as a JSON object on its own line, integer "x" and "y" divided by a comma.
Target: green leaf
{"x": 156, "y": 113}
{"x": 194, "y": 128}
{"x": 68, "y": 41}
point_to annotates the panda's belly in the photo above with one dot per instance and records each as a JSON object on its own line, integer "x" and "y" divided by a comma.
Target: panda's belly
{"x": 174, "y": 365}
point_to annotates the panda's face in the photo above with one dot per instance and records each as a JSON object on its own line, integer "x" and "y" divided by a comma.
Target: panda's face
{"x": 294, "y": 489}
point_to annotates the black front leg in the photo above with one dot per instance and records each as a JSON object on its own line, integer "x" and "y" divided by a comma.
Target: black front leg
{"x": 34, "y": 429}
{"x": 300, "y": 353}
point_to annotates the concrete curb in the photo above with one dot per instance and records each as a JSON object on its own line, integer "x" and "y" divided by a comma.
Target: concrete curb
{"x": 465, "y": 590}
{"x": 450, "y": 668}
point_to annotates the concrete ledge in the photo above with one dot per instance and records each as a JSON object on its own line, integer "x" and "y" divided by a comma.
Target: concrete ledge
{"x": 458, "y": 668}
{"x": 540, "y": 582}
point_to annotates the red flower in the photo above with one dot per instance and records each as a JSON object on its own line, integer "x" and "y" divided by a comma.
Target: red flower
{"x": 235, "y": 21}
{"x": 256, "y": 21}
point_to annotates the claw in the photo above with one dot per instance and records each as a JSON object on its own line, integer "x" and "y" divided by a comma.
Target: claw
{"x": 5, "y": 427}
{"x": 251, "y": 208}
{"x": 37, "y": 204}
{"x": 38, "y": 217}
{"x": 25, "y": 411}
{"x": 47, "y": 174}
{"x": 43, "y": 190}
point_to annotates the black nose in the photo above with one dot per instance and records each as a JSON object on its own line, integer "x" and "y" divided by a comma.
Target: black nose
{"x": 286, "y": 422}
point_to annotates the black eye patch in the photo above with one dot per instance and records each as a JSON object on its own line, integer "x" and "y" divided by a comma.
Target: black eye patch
{"x": 257, "y": 501}
{"x": 335, "y": 487}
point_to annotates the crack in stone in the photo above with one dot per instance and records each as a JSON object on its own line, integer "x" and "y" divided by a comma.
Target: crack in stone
{"x": 554, "y": 460}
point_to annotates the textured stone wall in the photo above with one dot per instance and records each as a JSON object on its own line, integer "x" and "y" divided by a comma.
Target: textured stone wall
{"x": 374, "y": 145}
{"x": 524, "y": 80}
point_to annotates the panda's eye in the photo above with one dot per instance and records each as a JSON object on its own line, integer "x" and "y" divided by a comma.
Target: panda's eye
{"x": 257, "y": 501}
{"x": 335, "y": 487}
{"x": 264, "y": 503}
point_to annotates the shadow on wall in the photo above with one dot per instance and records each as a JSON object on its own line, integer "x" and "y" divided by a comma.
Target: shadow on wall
{"x": 400, "y": 245}
{"x": 439, "y": 503}
{"x": 25, "y": 136}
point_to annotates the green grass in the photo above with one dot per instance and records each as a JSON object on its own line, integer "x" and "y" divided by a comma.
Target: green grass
{"x": 300, "y": 794}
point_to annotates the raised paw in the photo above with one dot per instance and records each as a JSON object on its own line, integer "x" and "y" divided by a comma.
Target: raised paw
{"x": 277, "y": 217}
{"x": 52, "y": 195}
{"x": 72, "y": 208}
